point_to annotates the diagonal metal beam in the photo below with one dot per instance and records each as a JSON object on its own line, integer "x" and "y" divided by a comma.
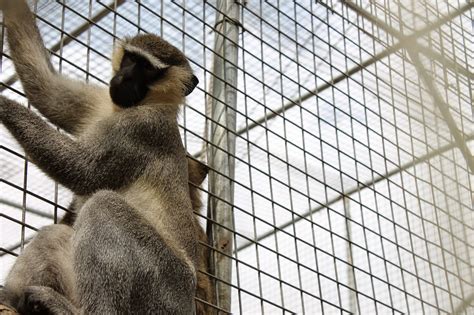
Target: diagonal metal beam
{"x": 458, "y": 135}
{"x": 361, "y": 186}
{"x": 406, "y": 40}
{"x": 464, "y": 305}
{"x": 413, "y": 49}
{"x": 28, "y": 209}
{"x": 445, "y": 61}
{"x": 388, "y": 51}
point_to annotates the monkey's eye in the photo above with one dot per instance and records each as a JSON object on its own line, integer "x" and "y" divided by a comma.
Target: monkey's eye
{"x": 143, "y": 63}
{"x": 152, "y": 74}
{"x": 146, "y": 65}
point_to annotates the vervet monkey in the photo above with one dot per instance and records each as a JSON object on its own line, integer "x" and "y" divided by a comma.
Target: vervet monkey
{"x": 46, "y": 261}
{"x": 133, "y": 247}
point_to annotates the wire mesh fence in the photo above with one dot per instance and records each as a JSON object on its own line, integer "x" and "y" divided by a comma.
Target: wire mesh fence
{"x": 339, "y": 136}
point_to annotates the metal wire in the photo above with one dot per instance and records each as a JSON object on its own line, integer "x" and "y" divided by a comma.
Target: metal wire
{"x": 352, "y": 190}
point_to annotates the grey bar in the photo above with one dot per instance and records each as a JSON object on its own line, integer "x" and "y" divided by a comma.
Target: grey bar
{"x": 222, "y": 137}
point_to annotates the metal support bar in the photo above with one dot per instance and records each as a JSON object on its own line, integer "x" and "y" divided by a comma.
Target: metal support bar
{"x": 406, "y": 40}
{"x": 413, "y": 49}
{"x": 2, "y": 34}
{"x": 388, "y": 51}
{"x": 222, "y": 137}
{"x": 464, "y": 305}
{"x": 353, "y": 298}
{"x": 30, "y": 210}
{"x": 458, "y": 135}
{"x": 447, "y": 62}
{"x": 376, "y": 180}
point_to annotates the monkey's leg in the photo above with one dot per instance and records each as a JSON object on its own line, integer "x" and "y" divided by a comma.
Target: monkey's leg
{"x": 124, "y": 266}
{"x": 47, "y": 262}
{"x": 83, "y": 168}
{"x": 66, "y": 103}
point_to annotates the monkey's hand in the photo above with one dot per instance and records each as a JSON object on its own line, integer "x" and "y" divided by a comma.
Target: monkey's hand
{"x": 82, "y": 167}
{"x": 65, "y": 102}
{"x": 44, "y": 145}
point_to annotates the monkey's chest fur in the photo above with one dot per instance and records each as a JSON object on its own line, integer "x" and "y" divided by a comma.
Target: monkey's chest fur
{"x": 147, "y": 166}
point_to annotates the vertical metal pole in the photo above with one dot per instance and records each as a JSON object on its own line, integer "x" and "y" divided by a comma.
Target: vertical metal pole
{"x": 221, "y": 137}
{"x": 2, "y": 27}
{"x": 353, "y": 306}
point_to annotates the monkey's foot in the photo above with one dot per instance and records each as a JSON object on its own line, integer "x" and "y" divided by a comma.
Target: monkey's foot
{"x": 6, "y": 310}
{"x": 36, "y": 300}
{"x": 45, "y": 300}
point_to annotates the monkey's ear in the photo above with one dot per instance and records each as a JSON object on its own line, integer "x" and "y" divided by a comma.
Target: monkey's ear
{"x": 191, "y": 85}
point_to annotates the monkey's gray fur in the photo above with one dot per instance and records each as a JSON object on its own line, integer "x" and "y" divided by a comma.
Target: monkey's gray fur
{"x": 46, "y": 262}
{"x": 133, "y": 246}
{"x": 44, "y": 268}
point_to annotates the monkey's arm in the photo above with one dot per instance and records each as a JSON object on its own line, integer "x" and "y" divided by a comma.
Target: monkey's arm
{"x": 66, "y": 103}
{"x": 83, "y": 168}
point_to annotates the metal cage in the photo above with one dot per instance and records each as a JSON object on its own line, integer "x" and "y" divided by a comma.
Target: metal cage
{"x": 339, "y": 136}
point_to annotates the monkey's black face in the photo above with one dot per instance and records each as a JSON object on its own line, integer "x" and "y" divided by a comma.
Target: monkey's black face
{"x": 130, "y": 84}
